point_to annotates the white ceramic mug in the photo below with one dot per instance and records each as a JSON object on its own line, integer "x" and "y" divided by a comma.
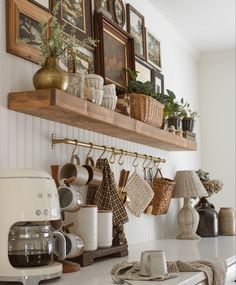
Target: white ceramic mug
{"x": 74, "y": 245}
{"x": 152, "y": 263}
{"x": 70, "y": 200}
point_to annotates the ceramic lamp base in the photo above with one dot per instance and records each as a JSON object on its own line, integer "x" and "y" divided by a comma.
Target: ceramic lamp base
{"x": 188, "y": 219}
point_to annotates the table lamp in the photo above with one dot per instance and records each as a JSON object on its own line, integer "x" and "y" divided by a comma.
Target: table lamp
{"x": 187, "y": 186}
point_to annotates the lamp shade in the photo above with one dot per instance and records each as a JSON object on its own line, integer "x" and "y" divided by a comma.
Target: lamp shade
{"x": 187, "y": 185}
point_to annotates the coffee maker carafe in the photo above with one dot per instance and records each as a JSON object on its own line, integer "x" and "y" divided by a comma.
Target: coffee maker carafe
{"x": 29, "y": 202}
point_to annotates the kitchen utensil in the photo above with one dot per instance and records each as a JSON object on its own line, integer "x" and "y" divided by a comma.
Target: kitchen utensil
{"x": 35, "y": 200}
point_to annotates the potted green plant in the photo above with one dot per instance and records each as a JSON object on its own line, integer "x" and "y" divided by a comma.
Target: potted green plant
{"x": 143, "y": 103}
{"x": 53, "y": 43}
{"x": 188, "y": 121}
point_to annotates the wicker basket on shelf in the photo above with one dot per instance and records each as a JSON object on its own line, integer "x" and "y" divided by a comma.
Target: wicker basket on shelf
{"x": 146, "y": 109}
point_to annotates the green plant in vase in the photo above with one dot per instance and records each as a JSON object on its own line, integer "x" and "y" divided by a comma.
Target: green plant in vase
{"x": 54, "y": 43}
{"x": 188, "y": 120}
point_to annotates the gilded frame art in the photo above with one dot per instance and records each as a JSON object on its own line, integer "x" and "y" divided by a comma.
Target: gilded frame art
{"x": 23, "y": 30}
{"x": 136, "y": 27}
{"x": 76, "y": 14}
{"x": 114, "y": 52}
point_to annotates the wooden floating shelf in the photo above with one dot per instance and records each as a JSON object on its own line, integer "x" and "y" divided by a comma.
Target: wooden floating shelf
{"x": 59, "y": 106}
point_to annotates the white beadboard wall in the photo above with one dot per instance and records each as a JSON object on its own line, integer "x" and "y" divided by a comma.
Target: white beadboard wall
{"x": 26, "y": 141}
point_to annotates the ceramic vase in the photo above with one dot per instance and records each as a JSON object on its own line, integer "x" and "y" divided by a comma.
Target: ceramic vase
{"x": 227, "y": 222}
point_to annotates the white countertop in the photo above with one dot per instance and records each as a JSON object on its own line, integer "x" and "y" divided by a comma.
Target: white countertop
{"x": 186, "y": 250}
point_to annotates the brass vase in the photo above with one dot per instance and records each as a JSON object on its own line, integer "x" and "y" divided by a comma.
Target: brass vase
{"x": 50, "y": 75}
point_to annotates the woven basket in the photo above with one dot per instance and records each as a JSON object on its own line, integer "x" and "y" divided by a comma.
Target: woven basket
{"x": 162, "y": 188}
{"x": 146, "y": 109}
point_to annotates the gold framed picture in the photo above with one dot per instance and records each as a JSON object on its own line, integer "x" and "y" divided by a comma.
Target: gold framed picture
{"x": 23, "y": 31}
{"x": 153, "y": 50}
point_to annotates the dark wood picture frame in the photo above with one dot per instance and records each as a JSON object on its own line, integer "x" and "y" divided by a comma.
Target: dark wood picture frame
{"x": 158, "y": 79}
{"x": 114, "y": 52}
{"x": 139, "y": 36}
{"x": 84, "y": 25}
{"x": 153, "y": 50}
{"x": 19, "y": 11}
{"x": 36, "y": 2}
{"x": 144, "y": 70}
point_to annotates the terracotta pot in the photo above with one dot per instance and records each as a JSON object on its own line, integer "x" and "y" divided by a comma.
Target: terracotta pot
{"x": 50, "y": 75}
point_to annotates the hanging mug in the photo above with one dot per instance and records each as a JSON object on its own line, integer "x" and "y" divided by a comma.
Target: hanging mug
{"x": 76, "y": 174}
{"x": 95, "y": 174}
{"x": 69, "y": 199}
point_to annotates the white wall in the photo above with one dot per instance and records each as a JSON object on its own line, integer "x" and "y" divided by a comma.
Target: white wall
{"x": 25, "y": 140}
{"x": 217, "y": 99}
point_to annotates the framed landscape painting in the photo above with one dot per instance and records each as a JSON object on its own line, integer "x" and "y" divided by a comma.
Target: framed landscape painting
{"x": 23, "y": 31}
{"x": 76, "y": 14}
{"x": 114, "y": 52}
{"x": 153, "y": 50}
{"x": 136, "y": 27}
{"x": 44, "y": 4}
{"x": 158, "y": 80}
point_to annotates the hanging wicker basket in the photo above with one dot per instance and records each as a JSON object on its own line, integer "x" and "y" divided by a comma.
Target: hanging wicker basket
{"x": 146, "y": 109}
{"x": 162, "y": 188}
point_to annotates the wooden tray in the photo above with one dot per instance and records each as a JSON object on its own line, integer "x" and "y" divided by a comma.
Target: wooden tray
{"x": 87, "y": 258}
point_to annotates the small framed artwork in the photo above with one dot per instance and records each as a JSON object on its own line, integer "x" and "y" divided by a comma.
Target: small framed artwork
{"x": 158, "y": 80}
{"x": 136, "y": 27}
{"x": 114, "y": 52}
{"x": 144, "y": 70}
{"x": 119, "y": 12}
{"x": 84, "y": 59}
{"x": 153, "y": 50}
{"x": 23, "y": 31}
{"x": 44, "y": 4}
{"x": 103, "y": 6}
{"x": 76, "y": 14}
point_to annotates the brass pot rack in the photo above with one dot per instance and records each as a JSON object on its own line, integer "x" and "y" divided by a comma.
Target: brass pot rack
{"x": 115, "y": 151}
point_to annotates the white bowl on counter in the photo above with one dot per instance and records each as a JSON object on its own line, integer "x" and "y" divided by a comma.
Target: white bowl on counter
{"x": 94, "y": 80}
{"x": 109, "y": 102}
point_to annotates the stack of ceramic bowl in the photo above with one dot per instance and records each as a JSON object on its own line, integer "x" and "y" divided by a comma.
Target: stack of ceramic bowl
{"x": 109, "y": 98}
{"x": 94, "y": 88}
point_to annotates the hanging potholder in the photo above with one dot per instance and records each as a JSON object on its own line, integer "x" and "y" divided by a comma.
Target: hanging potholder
{"x": 140, "y": 194}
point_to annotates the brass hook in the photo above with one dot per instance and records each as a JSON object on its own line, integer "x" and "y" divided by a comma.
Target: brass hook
{"x": 143, "y": 165}
{"x": 151, "y": 159}
{"x": 91, "y": 148}
{"x": 112, "y": 158}
{"x": 135, "y": 160}
{"x": 76, "y": 145}
{"x": 122, "y": 154}
{"x": 105, "y": 149}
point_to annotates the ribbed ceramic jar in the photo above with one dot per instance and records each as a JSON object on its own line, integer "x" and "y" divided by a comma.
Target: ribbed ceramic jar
{"x": 227, "y": 222}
